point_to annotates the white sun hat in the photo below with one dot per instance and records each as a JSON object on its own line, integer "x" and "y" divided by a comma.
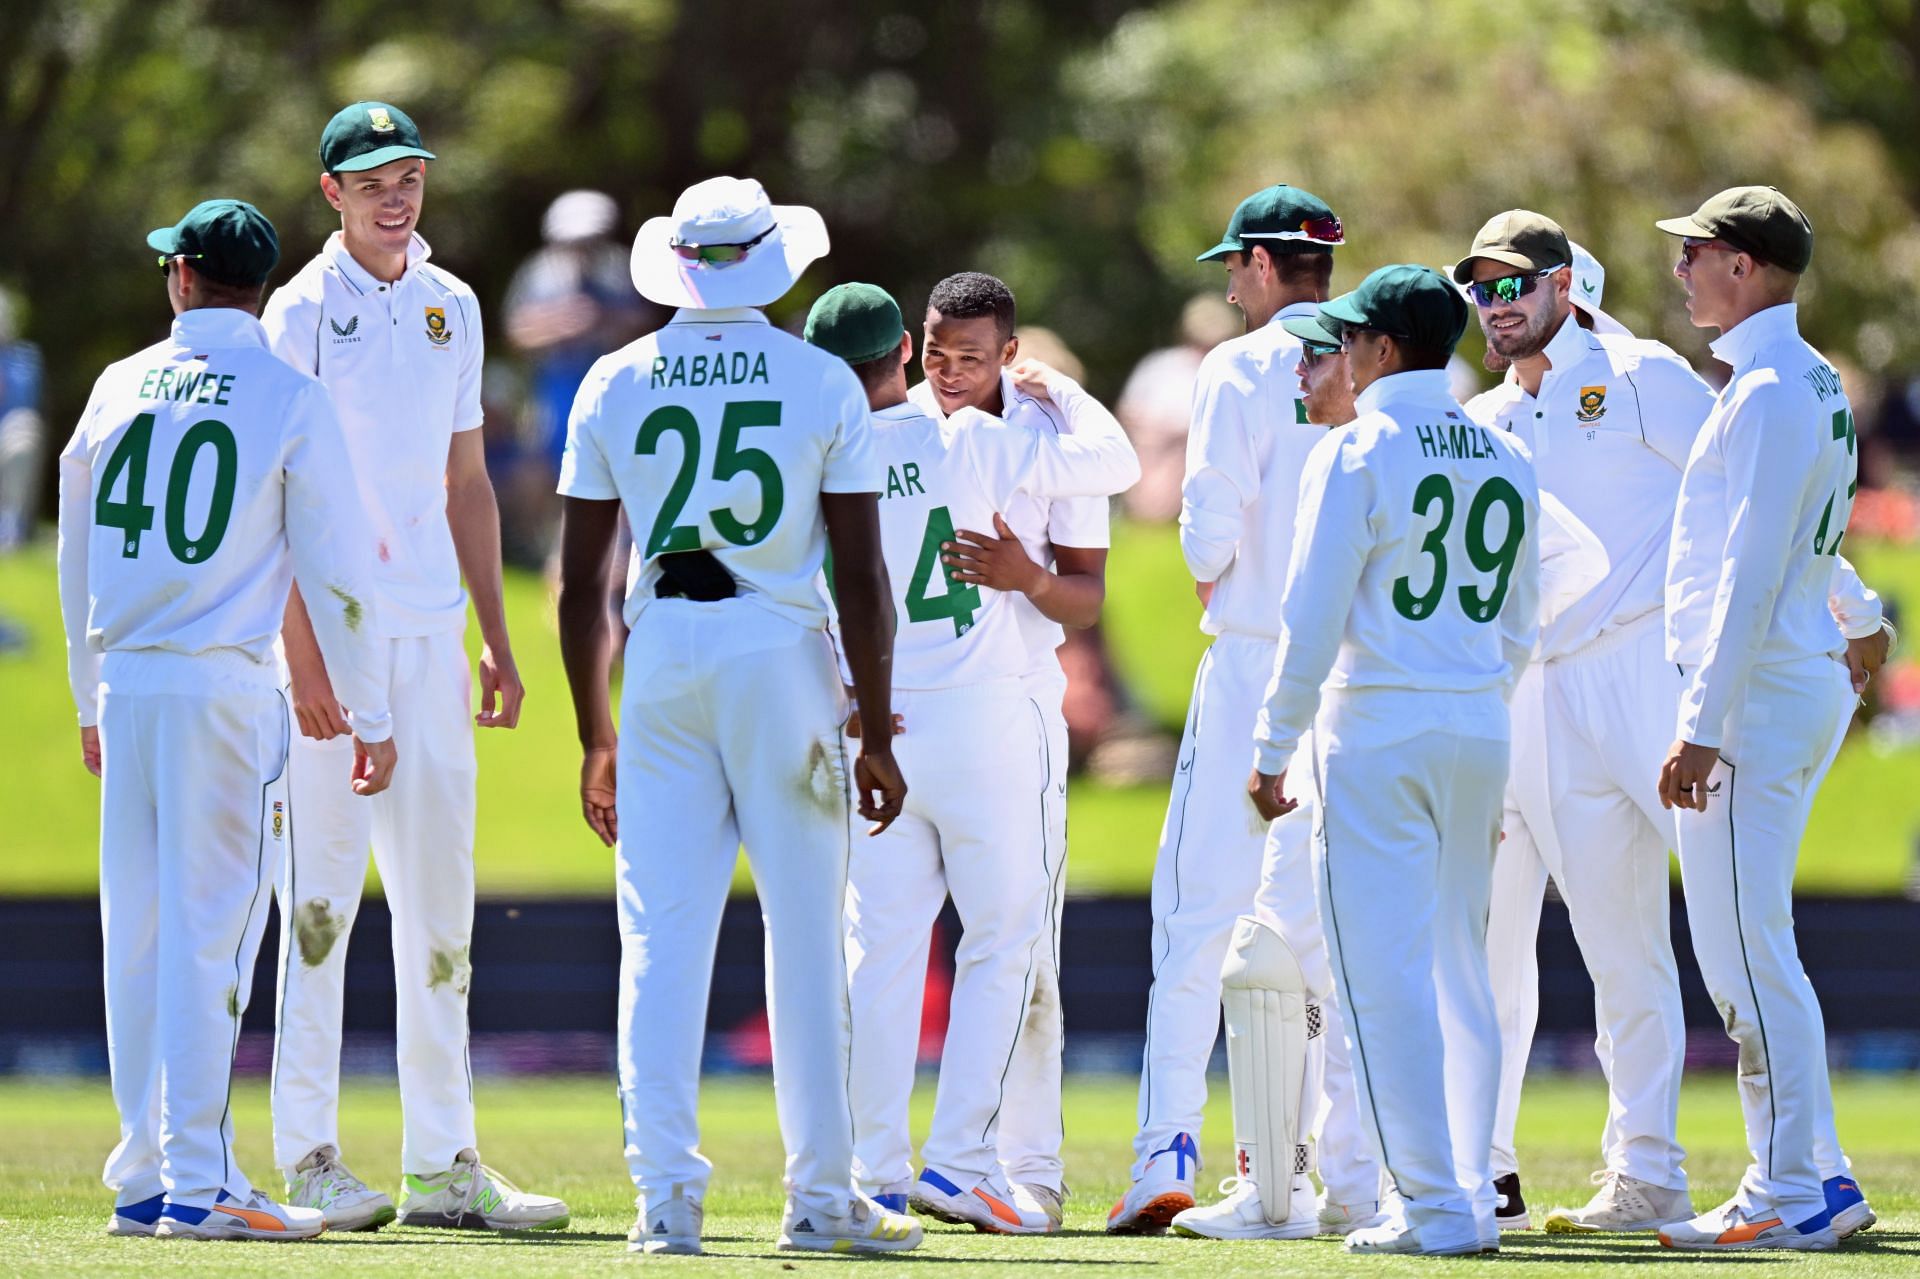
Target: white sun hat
{"x": 1589, "y": 286}
{"x": 783, "y": 238}
{"x": 580, "y": 215}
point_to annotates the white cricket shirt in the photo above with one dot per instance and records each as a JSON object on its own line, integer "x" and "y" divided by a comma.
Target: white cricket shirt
{"x": 955, "y": 473}
{"x": 1415, "y": 567}
{"x": 1249, "y": 440}
{"x": 203, "y": 478}
{"x": 1763, "y": 507}
{"x": 719, "y": 432}
{"x": 402, "y": 362}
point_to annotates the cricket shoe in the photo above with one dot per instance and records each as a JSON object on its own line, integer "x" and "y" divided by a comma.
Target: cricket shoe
{"x": 1399, "y": 1237}
{"x": 1731, "y": 1228}
{"x": 1163, "y": 1192}
{"x": 893, "y": 1197}
{"x": 472, "y": 1196}
{"x": 1622, "y": 1204}
{"x": 1510, "y": 1209}
{"x": 1344, "y": 1219}
{"x": 1849, "y": 1206}
{"x": 989, "y": 1207}
{"x": 1032, "y": 1197}
{"x": 136, "y": 1220}
{"x": 669, "y": 1227}
{"x": 867, "y": 1227}
{"x": 1240, "y": 1215}
{"x": 255, "y": 1217}
{"x": 348, "y": 1203}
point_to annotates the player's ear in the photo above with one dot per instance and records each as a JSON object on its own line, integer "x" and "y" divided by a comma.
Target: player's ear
{"x": 906, "y": 349}
{"x": 330, "y": 187}
{"x": 1011, "y": 351}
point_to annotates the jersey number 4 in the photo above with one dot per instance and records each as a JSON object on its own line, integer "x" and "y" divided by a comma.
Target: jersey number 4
{"x": 1479, "y": 606}
{"x": 960, "y": 601}
{"x": 133, "y": 516}
{"x": 729, "y": 460}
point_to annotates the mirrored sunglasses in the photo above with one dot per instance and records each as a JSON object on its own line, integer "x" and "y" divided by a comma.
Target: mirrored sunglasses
{"x": 1313, "y": 230}
{"x": 720, "y": 254}
{"x": 1508, "y": 288}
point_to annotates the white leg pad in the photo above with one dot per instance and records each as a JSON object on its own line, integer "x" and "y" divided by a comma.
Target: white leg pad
{"x": 1264, "y": 998}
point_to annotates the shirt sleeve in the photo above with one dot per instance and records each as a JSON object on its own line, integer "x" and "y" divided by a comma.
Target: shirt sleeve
{"x": 468, "y": 413}
{"x": 1520, "y": 614}
{"x": 76, "y": 527}
{"x": 1332, "y": 540}
{"x": 584, "y": 471}
{"x": 293, "y": 328}
{"x": 333, "y": 561}
{"x": 1855, "y": 605}
{"x": 1010, "y": 459}
{"x": 851, "y": 464}
{"x": 1223, "y": 472}
{"x": 1674, "y": 405}
{"x": 1767, "y": 464}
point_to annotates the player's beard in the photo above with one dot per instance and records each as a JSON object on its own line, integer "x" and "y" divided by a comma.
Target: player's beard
{"x": 1529, "y": 341}
{"x": 1494, "y": 362}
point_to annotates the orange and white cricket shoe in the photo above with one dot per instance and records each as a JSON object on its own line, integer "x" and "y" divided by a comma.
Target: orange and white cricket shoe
{"x": 1731, "y": 1228}
{"x": 255, "y": 1217}
{"x": 1164, "y": 1191}
{"x": 989, "y": 1207}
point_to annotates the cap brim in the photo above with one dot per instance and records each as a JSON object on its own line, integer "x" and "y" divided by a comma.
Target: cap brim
{"x": 1463, "y": 269}
{"x": 1343, "y": 311}
{"x": 1311, "y": 328}
{"x": 385, "y": 155}
{"x": 1686, "y": 226}
{"x": 1221, "y": 250}
{"x": 761, "y": 278}
{"x": 164, "y": 239}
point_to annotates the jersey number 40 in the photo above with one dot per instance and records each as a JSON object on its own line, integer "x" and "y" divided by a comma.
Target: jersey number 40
{"x": 133, "y": 516}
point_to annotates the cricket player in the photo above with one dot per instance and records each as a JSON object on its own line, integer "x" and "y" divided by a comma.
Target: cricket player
{"x": 203, "y": 477}
{"x": 1411, "y": 596}
{"x": 397, "y": 341}
{"x": 1250, "y": 439}
{"x": 740, "y": 454}
{"x": 972, "y": 828}
{"x": 1049, "y": 556}
{"x": 1609, "y": 420}
{"x": 1764, "y": 503}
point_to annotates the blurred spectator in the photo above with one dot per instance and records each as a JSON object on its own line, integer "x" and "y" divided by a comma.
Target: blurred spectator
{"x": 23, "y": 433}
{"x": 1157, "y": 404}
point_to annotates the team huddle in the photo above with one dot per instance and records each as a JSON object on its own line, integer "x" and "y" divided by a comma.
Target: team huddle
{"x": 1457, "y": 648}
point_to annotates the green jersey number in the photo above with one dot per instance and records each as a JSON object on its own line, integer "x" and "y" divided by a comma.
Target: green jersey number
{"x": 134, "y": 517}
{"x": 960, "y": 601}
{"x": 730, "y": 459}
{"x": 1479, "y": 606}
{"x": 1842, "y": 430}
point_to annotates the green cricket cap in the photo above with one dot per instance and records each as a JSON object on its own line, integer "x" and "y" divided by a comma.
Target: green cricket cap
{"x": 1518, "y": 238}
{"x": 1414, "y": 303}
{"x": 1313, "y": 330}
{"x": 857, "y": 322}
{"x": 1757, "y": 220}
{"x": 367, "y": 135}
{"x": 1284, "y": 219}
{"x": 228, "y": 241}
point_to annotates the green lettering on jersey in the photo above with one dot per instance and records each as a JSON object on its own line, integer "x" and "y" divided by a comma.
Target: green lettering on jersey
{"x": 226, "y": 389}
{"x": 659, "y": 367}
{"x": 904, "y": 480}
{"x": 759, "y": 373}
{"x": 146, "y": 384}
{"x": 1426, "y": 440}
{"x": 960, "y": 601}
{"x": 698, "y": 376}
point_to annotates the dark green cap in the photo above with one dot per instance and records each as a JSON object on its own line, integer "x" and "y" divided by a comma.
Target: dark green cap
{"x": 1313, "y": 330}
{"x": 1282, "y": 218}
{"x": 1757, "y": 220}
{"x": 1414, "y": 303}
{"x": 1517, "y": 238}
{"x": 367, "y": 135}
{"x": 857, "y": 322}
{"x": 228, "y": 241}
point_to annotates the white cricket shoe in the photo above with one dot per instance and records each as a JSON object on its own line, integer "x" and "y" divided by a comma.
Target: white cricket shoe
{"x": 472, "y": 1196}
{"x": 1240, "y": 1216}
{"x": 1731, "y": 1228}
{"x": 1031, "y": 1197}
{"x": 1622, "y": 1204}
{"x": 255, "y": 1217}
{"x": 670, "y": 1227}
{"x": 138, "y": 1219}
{"x": 321, "y": 1181}
{"x": 867, "y": 1227}
{"x": 1398, "y": 1237}
{"x": 988, "y": 1207}
{"x": 1344, "y": 1219}
{"x": 1163, "y": 1192}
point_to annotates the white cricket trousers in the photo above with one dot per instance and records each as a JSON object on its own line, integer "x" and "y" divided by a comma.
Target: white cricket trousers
{"x": 1404, "y": 845}
{"x": 1736, "y": 863}
{"x": 1590, "y": 731}
{"x": 730, "y": 734}
{"x": 193, "y": 747}
{"x": 1031, "y": 1126}
{"x": 1205, "y": 876}
{"x": 421, "y": 832}
{"x": 974, "y": 827}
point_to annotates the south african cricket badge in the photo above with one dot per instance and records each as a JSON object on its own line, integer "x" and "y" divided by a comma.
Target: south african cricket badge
{"x": 1593, "y": 403}
{"x": 279, "y": 819}
{"x": 437, "y": 331}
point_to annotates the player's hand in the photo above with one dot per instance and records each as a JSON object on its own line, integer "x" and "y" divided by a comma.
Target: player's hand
{"x": 853, "y": 724}
{"x": 1267, "y": 792}
{"x": 1866, "y": 656}
{"x": 1204, "y": 590}
{"x": 373, "y": 766}
{"x": 1683, "y": 778}
{"x": 981, "y": 559}
{"x": 318, "y": 711}
{"x": 597, "y": 792}
{"x": 499, "y": 684}
{"x": 1035, "y": 377}
{"x": 90, "y": 748}
{"x": 878, "y": 788}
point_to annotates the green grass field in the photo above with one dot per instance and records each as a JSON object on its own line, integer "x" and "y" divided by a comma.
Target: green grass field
{"x": 562, "y": 1137}
{"x": 532, "y": 841}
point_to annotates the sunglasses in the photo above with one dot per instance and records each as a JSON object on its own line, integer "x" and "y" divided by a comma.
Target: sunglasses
{"x": 168, "y": 259}
{"x": 1313, "y": 230}
{"x": 1509, "y": 288}
{"x": 1350, "y": 331}
{"x": 1691, "y": 248}
{"x": 1314, "y": 352}
{"x": 720, "y": 254}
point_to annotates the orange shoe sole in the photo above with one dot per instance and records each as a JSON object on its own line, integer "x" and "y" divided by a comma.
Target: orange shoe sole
{"x": 1154, "y": 1216}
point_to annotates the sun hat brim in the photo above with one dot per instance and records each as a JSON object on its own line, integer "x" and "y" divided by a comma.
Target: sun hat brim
{"x": 760, "y": 278}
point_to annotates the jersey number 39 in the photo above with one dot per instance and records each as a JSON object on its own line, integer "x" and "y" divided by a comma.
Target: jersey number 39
{"x": 1479, "y": 606}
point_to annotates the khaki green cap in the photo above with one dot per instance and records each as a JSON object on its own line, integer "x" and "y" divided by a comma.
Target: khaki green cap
{"x": 1761, "y": 221}
{"x": 857, "y": 322}
{"x": 367, "y": 135}
{"x": 1518, "y": 238}
{"x": 228, "y": 241}
{"x": 1413, "y": 303}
